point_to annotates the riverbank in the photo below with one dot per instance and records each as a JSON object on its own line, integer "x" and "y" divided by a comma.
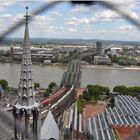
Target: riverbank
{"x": 34, "y": 63}
{"x": 111, "y": 67}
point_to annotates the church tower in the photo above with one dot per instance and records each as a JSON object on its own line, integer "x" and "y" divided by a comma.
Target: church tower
{"x": 26, "y": 110}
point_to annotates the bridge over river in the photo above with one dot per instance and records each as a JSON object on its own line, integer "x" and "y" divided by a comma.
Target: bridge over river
{"x": 63, "y": 97}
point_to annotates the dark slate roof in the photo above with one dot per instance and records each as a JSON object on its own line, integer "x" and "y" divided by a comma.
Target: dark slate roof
{"x": 126, "y": 111}
{"x": 99, "y": 129}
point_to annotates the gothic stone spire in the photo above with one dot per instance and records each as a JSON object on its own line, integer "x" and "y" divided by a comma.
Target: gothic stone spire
{"x": 26, "y": 88}
{"x": 26, "y": 106}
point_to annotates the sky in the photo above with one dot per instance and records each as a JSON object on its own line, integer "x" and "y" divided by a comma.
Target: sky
{"x": 68, "y": 21}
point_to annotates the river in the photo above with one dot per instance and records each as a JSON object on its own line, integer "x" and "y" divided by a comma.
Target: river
{"x": 45, "y": 74}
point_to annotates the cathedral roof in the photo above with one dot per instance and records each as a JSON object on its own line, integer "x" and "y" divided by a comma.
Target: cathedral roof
{"x": 49, "y": 128}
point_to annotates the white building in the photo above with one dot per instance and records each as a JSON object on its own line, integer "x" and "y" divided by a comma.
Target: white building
{"x": 116, "y": 51}
{"x": 102, "y": 59}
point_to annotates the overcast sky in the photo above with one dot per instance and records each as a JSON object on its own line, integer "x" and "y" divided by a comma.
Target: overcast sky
{"x": 67, "y": 21}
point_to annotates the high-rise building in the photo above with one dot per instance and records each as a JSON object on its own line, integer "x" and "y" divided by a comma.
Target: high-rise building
{"x": 11, "y": 53}
{"x": 98, "y": 48}
{"x": 100, "y": 57}
{"x": 26, "y": 106}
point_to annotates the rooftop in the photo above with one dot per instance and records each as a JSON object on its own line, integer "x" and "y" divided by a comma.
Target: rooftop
{"x": 49, "y": 128}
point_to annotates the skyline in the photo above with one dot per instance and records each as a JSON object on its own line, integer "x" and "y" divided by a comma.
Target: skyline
{"x": 76, "y": 22}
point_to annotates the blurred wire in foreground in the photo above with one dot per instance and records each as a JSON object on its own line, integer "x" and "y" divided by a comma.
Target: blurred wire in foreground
{"x": 125, "y": 14}
{"x": 47, "y": 6}
{"x": 21, "y": 22}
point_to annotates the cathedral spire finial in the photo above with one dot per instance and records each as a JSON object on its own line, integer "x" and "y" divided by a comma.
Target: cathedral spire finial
{"x": 27, "y": 16}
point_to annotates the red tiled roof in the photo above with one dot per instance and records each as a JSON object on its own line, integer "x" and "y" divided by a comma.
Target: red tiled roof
{"x": 127, "y": 133}
{"x": 92, "y": 110}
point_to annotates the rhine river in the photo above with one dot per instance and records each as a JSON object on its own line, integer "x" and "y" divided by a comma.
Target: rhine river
{"x": 46, "y": 74}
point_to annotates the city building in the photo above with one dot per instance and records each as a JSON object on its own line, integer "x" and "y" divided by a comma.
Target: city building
{"x": 102, "y": 59}
{"x": 116, "y": 51}
{"x": 99, "y": 48}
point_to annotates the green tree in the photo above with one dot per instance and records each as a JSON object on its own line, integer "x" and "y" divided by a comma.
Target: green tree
{"x": 52, "y": 85}
{"x": 80, "y": 106}
{"x": 36, "y": 85}
{"x": 133, "y": 91}
{"x": 86, "y": 96}
{"x": 114, "y": 59}
{"x": 95, "y": 92}
{"x": 50, "y": 88}
{"x": 120, "y": 89}
{"x": 4, "y": 84}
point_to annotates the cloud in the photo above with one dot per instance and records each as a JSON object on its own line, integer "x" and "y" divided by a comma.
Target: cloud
{"x": 39, "y": 25}
{"x": 106, "y": 16}
{"x": 6, "y": 16}
{"x": 72, "y": 30}
{"x": 42, "y": 20}
{"x": 60, "y": 28}
{"x": 127, "y": 28}
{"x": 55, "y": 13}
{"x": 101, "y": 16}
{"x": 17, "y": 17}
{"x": 80, "y": 21}
{"x": 74, "y": 24}
{"x": 5, "y": 4}
{"x": 86, "y": 20}
{"x": 71, "y": 21}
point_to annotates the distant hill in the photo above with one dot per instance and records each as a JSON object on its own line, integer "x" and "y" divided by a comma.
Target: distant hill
{"x": 68, "y": 41}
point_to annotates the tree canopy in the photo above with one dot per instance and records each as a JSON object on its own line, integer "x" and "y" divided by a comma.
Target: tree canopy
{"x": 52, "y": 85}
{"x": 95, "y": 91}
{"x": 4, "y": 84}
{"x": 133, "y": 91}
{"x": 120, "y": 89}
{"x": 36, "y": 85}
{"x": 50, "y": 88}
